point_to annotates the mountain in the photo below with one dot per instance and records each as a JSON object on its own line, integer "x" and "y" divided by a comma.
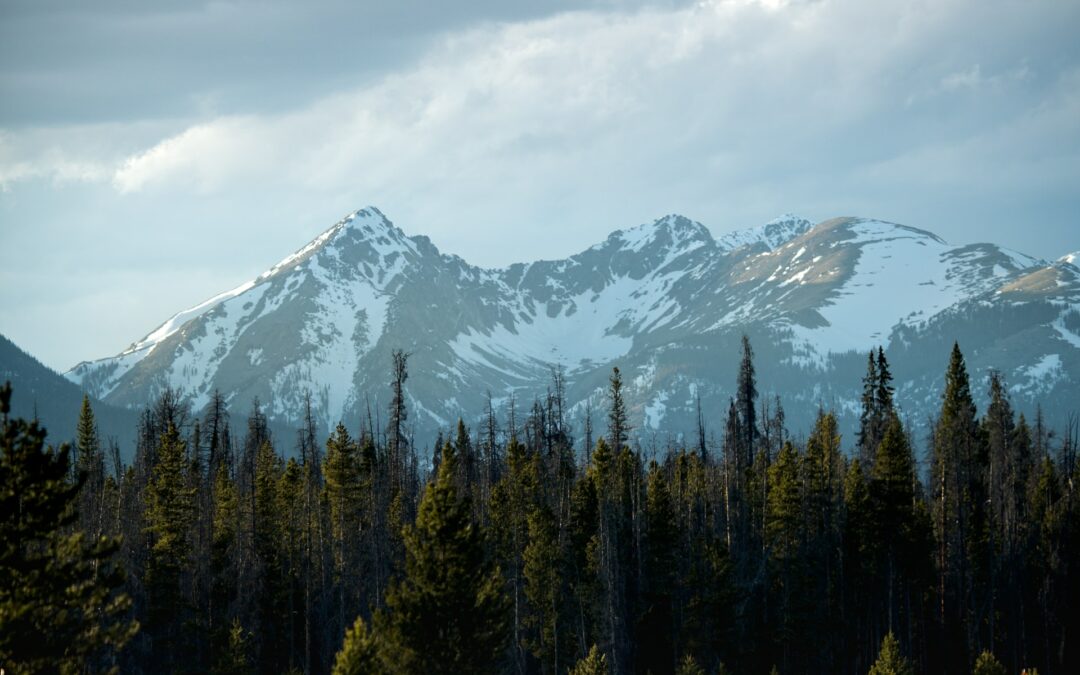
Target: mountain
{"x": 39, "y": 392}
{"x": 665, "y": 301}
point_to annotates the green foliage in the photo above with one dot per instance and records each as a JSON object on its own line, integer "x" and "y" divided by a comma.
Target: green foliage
{"x": 170, "y": 511}
{"x": 543, "y": 585}
{"x": 59, "y": 611}
{"x": 689, "y": 667}
{"x": 594, "y": 663}
{"x": 890, "y": 661}
{"x": 785, "y": 506}
{"x": 987, "y": 664}
{"x": 360, "y": 653}
{"x": 449, "y": 613}
{"x": 656, "y": 628}
{"x": 235, "y": 659}
{"x": 799, "y": 558}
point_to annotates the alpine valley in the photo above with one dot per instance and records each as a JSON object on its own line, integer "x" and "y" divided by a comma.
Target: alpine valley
{"x": 666, "y": 302}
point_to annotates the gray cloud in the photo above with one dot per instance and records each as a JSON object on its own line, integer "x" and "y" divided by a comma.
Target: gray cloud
{"x": 506, "y": 136}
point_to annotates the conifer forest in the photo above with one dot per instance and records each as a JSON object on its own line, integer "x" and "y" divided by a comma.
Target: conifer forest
{"x": 526, "y": 544}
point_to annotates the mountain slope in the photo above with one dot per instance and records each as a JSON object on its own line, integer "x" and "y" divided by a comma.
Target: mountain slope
{"x": 665, "y": 301}
{"x": 55, "y": 401}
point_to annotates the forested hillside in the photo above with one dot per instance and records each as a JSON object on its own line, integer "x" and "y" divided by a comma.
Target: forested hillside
{"x": 500, "y": 549}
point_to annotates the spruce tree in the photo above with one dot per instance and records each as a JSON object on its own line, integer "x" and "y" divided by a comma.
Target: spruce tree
{"x": 344, "y": 494}
{"x": 544, "y": 590}
{"x": 448, "y": 614}
{"x": 689, "y": 666}
{"x": 883, "y": 393}
{"x": 59, "y": 609}
{"x": 618, "y": 426}
{"x": 746, "y": 401}
{"x": 360, "y": 653}
{"x": 868, "y": 415}
{"x": 170, "y": 511}
{"x": 594, "y": 663}
{"x": 987, "y": 664}
{"x": 961, "y": 516}
{"x": 890, "y": 661}
{"x": 91, "y": 464}
{"x": 656, "y": 628}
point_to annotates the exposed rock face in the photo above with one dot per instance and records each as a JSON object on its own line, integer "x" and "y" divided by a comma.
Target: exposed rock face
{"x": 665, "y": 301}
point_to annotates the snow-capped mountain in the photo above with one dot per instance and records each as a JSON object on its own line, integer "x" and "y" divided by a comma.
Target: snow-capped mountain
{"x": 665, "y": 301}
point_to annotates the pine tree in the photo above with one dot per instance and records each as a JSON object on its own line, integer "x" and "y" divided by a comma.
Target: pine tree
{"x": 986, "y": 664}
{"x": 746, "y": 402}
{"x": 223, "y": 560}
{"x": 595, "y": 663}
{"x": 784, "y": 530}
{"x": 823, "y": 480}
{"x": 271, "y": 599}
{"x": 890, "y": 661}
{"x": 90, "y": 463}
{"x": 235, "y": 659}
{"x": 360, "y": 653}
{"x": 883, "y": 393}
{"x": 59, "y": 610}
{"x": 959, "y": 512}
{"x": 656, "y": 627}
{"x": 170, "y": 510}
{"x": 544, "y": 590}
{"x": 868, "y": 415}
{"x": 618, "y": 426}
{"x": 892, "y": 498}
{"x": 344, "y": 494}
{"x": 449, "y": 612}
{"x": 689, "y": 667}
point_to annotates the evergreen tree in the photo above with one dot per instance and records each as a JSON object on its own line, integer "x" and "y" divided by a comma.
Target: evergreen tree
{"x": 890, "y": 661}
{"x": 746, "y": 401}
{"x": 898, "y": 542}
{"x": 544, "y": 590}
{"x": 360, "y": 653}
{"x": 170, "y": 510}
{"x": 618, "y": 426}
{"x": 784, "y": 532}
{"x": 986, "y": 664}
{"x": 236, "y": 658}
{"x": 595, "y": 663}
{"x": 514, "y": 498}
{"x": 823, "y": 485}
{"x": 59, "y": 610}
{"x": 223, "y": 561}
{"x": 883, "y": 393}
{"x": 91, "y": 464}
{"x": 344, "y": 494}
{"x": 690, "y": 667}
{"x": 449, "y": 613}
{"x": 656, "y": 628}
{"x": 868, "y": 416}
{"x": 959, "y": 511}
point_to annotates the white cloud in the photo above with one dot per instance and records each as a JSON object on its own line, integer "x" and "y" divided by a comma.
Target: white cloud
{"x": 517, "y": 140}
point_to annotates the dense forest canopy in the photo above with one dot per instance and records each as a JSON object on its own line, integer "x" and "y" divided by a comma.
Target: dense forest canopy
{"x": 509, "y": 552}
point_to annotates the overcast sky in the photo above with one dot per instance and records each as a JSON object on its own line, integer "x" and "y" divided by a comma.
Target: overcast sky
{"x": 153, "y": 154}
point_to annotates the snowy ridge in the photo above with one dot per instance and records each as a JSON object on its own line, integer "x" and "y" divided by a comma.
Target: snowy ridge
{"x": 772, "y": 234}
{"x": 665, "y": 301}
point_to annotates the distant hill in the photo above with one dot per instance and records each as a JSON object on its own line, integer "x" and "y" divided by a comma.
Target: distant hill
{"x": 41, "y": 391}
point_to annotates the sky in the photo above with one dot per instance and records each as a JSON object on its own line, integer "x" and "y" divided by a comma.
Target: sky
{"x": 155, "y": 154}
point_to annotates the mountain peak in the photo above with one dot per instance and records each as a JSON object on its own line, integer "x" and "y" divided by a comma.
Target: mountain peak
{"x": 672, "y": 231}
{"x": 772, "y": 234}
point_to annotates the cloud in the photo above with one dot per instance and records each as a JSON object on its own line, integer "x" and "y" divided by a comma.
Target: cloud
{"x": 510, "y": 134}
{"x": 745, "y": 95}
